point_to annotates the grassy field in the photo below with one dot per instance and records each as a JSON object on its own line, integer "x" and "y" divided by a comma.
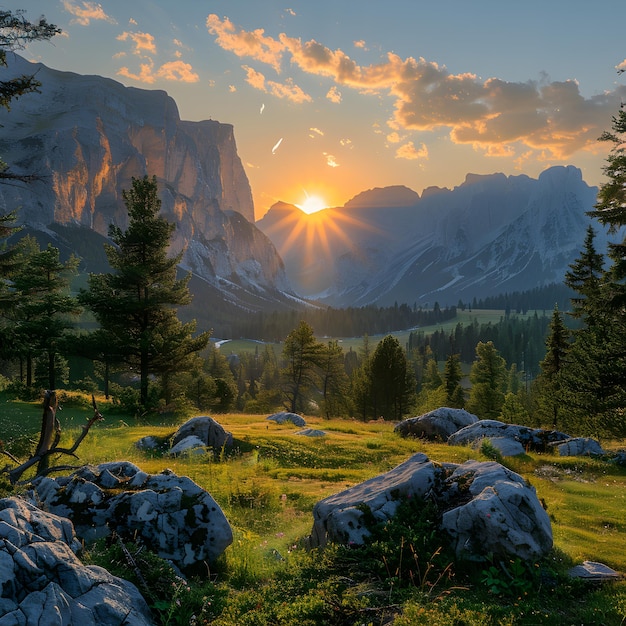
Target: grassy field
{"x": 268, "y": 485}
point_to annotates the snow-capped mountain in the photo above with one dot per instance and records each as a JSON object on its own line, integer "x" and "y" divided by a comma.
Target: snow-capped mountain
{"x": 491, "y": 234}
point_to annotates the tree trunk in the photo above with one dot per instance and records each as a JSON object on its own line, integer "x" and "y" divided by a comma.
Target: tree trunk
{"x": 50, "y": 428}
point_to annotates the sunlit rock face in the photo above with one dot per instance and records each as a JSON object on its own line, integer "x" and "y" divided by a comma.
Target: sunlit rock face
{"x": 86, "y": 137}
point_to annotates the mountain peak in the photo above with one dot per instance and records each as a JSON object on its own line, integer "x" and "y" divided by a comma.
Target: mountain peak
{"x": 389, "y": 197}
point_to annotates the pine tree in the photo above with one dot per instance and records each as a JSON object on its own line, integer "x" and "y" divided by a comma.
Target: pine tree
{"x": 42, "y": 307}
{"x": 334, "y": 380}
{"x": 392, "y": 382}
{"x": 135, "y": 304}
{"x": 452, "y": 375}
{"x": 489, "y": 381}
{"x": 302, "y": 354}
{"x": 550, "y": 381}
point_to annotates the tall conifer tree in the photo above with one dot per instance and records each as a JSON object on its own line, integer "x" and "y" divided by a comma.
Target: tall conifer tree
{"x": 136, "y": 304}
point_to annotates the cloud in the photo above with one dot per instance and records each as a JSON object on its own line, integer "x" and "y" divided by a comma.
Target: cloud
{"x": 334, "y": 95}
{"x": 360, "y": 44}
{"x": 410, "y": 152}
{"x": 144, "y": 42}
{"x": 315, "y": 132}
{"x": 178, "y": 71}
{"x": 86, "y": 12}
{"x": 621, "y": 67}
{"x": 287, "y": 90}
{"x": 252, "y": 44}
{"x": 331, "y": 161}
{"x": 172, "y": 71}
{"x": 492, "y": 115}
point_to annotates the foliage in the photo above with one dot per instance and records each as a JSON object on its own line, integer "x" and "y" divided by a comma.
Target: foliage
{"x": 135, "y": 304}
{"x": 489, "y": 382}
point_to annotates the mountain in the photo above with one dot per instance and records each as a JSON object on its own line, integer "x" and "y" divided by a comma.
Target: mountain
{"x": 491, "y": 234}
{"x": 86, "y": 137}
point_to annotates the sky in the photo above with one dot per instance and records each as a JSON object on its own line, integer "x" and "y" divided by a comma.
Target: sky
{"x": 330, "y": 98}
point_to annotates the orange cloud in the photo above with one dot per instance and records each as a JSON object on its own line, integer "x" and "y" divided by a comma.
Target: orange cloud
{"x": 410, "y": 152}
{"x": 174, "y": 71}
{"x": 86, "y": 12}
{"x": 334, "y": 95}
{"x": 144, "y": 42}
{"x": 281, "y": 90}
{"x": 252, "y": 44}
{"x": 493, "y": 115}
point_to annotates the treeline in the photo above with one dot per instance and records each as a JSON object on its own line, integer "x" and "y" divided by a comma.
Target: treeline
{"x": 518, "y": 340}
{"x": 538, "y": 299}
{"x": 348, "y": 322}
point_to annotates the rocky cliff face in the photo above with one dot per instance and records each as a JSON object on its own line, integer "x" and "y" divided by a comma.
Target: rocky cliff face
{"x": 87, "y": 136}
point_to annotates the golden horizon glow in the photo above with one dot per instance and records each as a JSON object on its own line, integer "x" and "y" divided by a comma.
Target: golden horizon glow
{"x": 312, "y": 204}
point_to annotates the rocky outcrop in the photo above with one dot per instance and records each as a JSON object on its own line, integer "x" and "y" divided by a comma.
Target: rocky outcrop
{"x": 486, "y": 508}
{"x": 42, "y": 581}
{"x": 435, "y": 425}
{"x": 171, "y": 514}
{"x": 536, "y": 439}
{"x": 580, "y": 446}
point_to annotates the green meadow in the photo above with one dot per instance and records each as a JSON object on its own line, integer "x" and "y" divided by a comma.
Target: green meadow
{"x": 268, "y": 484}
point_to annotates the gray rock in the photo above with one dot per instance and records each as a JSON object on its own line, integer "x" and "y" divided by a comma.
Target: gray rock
{"x": 42, "y": 581}
{"x": 580, "y": 446}
{"x": 594, "y": 572}
{"x": 285, "y": 416}
{"x": 147, "y": 443}
{"x": 207, "y": 430}
{"x": 487, "y": 509}
{"x": 504, "y": 445}
{"x": 311, "y": 432}
{"x": 537, "y": 439}
{"x": 503, "y": 518}
{"x": 436, "y": 425}
{"x": 186, "y": 445}
{"x": 171, "y": 514}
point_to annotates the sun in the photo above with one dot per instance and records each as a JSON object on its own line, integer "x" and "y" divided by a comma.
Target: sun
{"x": 312, "y": 204}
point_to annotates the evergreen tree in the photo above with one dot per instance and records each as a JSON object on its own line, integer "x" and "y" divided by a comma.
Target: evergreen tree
{"x": 452, "y": 375}
{"x": 135, "y": 304}
{"x": 43, "y": 307}
{"x": 302, "y": 354}
{"x": 550, "y": 382}
{"x": 334, "y": 380}
{"x": 585, "y": 277}
{"x": 392, "y": 382}
{"x": 489, "y": 381}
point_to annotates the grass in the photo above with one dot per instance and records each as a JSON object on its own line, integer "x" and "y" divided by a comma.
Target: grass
{"x": 268, "y": 484}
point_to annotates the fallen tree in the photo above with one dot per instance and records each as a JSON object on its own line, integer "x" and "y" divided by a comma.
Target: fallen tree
{"x": 49, "y": 439}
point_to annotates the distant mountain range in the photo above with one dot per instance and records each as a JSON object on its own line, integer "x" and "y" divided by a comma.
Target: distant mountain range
{"x": 87, "y": 136}
{"x": 490, "y": 235}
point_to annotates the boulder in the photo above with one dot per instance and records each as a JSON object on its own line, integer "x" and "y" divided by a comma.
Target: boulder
{"x": 504, "y": 445}
{"x": 592, "y": 571}
{"x": 486, "y": 509}
{"x": 170, "y": 514}
{"x": 504, "y": 517}
{"x": 436, "y": 425}
{"x": 207, "y": 430}
{"x": 311, "y": 432}
{"x": 187, "y": 445}
{"x": 147, "y": 443}
{"x": 580, "y": 446}
{"x": 42, "y": 581}
{"x": 285, "y": 416}
{"x": 536, "y": 439}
